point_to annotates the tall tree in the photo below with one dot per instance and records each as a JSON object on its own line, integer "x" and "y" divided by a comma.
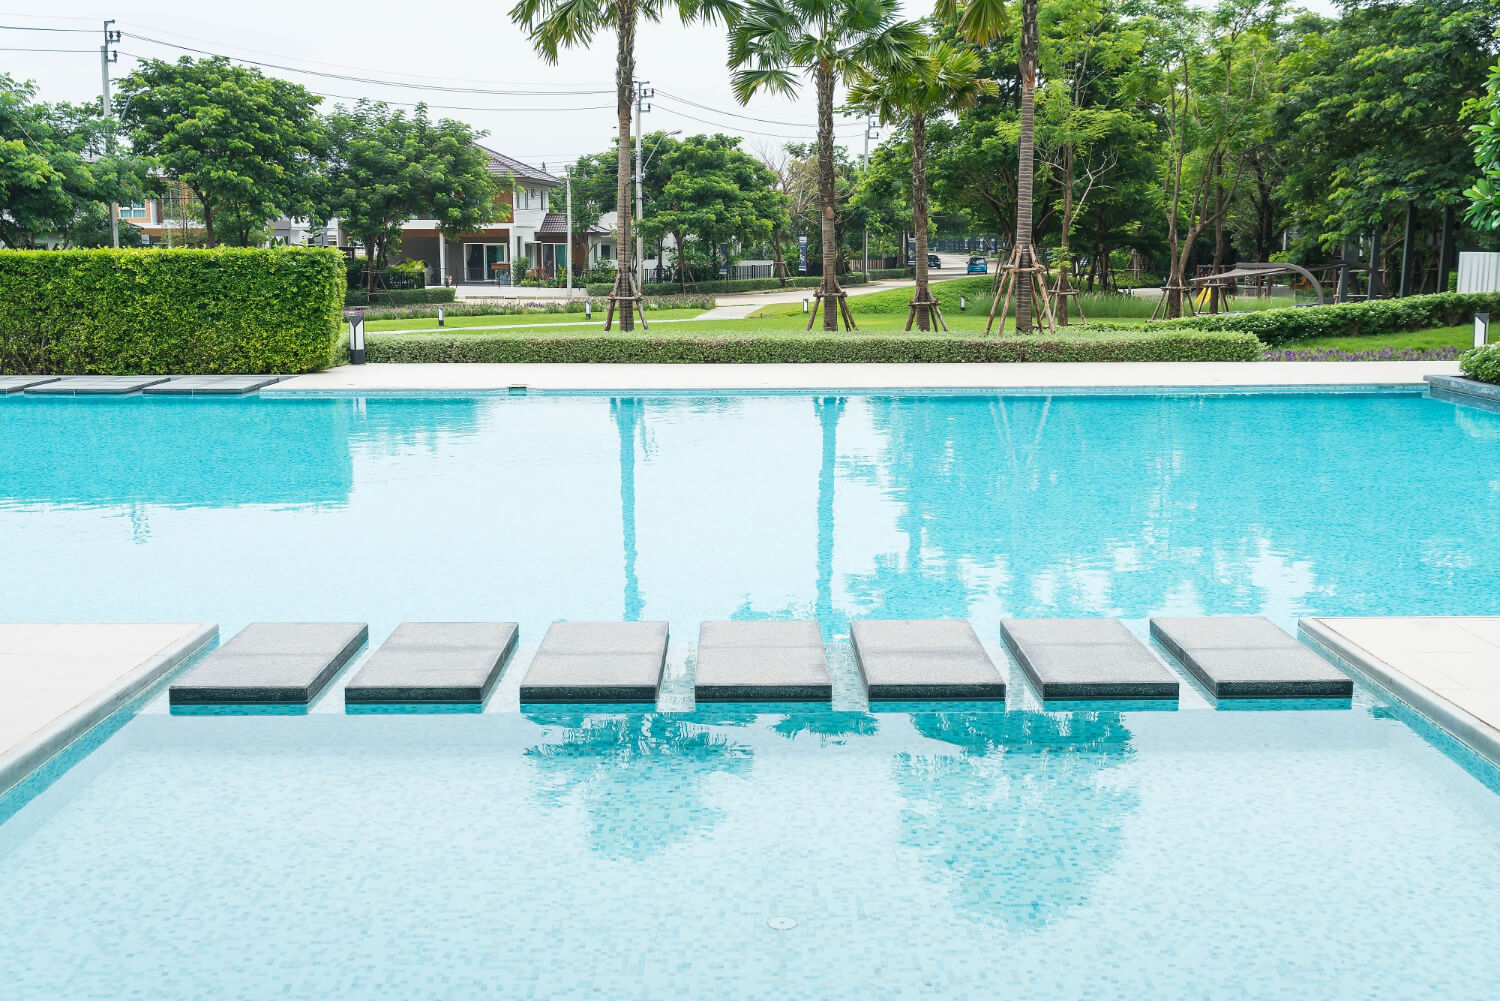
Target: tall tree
{"x": 828, "y": 40}
{"x": 554, "y": 25}
{"x": 1484, "y": 197}
{"x": 247, "y": 145}
{"x": 942, "y": 77}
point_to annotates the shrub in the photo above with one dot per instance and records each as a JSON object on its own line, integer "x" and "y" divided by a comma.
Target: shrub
{"x": 1350, "y": 319}
{"x": 734, "y": 285}
{"x": 878, "y": 273}
{"x": 129, "y": 312}
{"x": 736, "y": 346}
{"x": 355, "y": 298}
{"x": 524, "y": 307}
{"x": 1481, "y": 363}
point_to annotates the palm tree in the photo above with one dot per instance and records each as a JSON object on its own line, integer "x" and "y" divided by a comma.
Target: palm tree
{"x": 554, "y": 25}
{"x": 944, "y": 77}
{"x": 828, "y": 40}
{"x": 981, "y": 22}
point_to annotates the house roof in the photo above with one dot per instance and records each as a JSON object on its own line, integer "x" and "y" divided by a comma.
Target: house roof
{"x": 503, "y": 166}
{"x": 553, "y": 222}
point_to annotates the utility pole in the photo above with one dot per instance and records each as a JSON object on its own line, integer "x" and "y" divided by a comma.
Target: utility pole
{"x": 641, "y": 93}
{"x": 568, "y": 254}
{"x": 870, "y": 132}
{"x": 105, "y": 58}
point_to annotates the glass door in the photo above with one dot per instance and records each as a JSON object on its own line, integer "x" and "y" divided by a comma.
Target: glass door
{"x": 480, "y": 260}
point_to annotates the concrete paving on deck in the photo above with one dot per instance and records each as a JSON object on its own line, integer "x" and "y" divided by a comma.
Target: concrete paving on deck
{"x": 765, "y": 661}
{"x": 210, "y": 385}
{"x": 283, "y": 663}
{"x": 1447, "y": 668}
{"x": 1086, "y": 659}
{"x": 449, "y": 662}
{"x": 597, "y": 662}
{"x": 907, "y": 659}
{"x": 1249, "y": 657}
{"x": 59, "y": 680}
{"x": 980, "y": 377}
{"x": 20, "y": 383}
{"x": 97, "y": 385}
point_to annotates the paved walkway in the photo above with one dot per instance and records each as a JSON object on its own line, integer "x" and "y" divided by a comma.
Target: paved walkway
{"x": 58, "y": 680}
{"x": 1447, "y": 668}
{"x": 1060, "y": 375}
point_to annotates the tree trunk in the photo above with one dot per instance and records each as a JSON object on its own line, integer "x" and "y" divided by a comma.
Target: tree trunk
{"x": 1024, "y": 171}
{"x": 1064, "y": 252}
{"x": 1215, "y": 293}
{"x": 681, "y": 260}
{"x": 624, "y": 95}
{"x": 919, "y": 216}
{"x": 827, "y": 199}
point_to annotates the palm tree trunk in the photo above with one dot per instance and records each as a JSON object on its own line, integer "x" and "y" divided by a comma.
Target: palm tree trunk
{"x": 624, "y": 95}
{"x": 1024, "y": 171}
{"x": 827, "y": 199}
{"x": 919, "y": 215}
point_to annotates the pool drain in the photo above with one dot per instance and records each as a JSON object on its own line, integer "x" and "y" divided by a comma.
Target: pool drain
{"x": 781, "y": 923}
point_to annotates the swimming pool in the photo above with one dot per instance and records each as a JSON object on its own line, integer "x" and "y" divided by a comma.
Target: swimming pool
{"x": 754, "y": 852}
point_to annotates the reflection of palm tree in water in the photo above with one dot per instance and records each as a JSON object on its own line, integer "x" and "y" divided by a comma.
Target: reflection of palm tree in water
{"x": 1022, "y": 823}
{"x": 638, "y": 776}
{"x": 629, "y": 416}
{"x": 829, "y": 726}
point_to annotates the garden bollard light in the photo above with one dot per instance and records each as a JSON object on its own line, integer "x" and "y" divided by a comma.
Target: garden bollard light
{"x": 588, "y": 310}
{"x": 1481, "y": 329}
{"x": 357, "y": 337}
{"x": 963, "y": 303}
{"x": 440, "y": 316}
{"x": 804, "y": 305}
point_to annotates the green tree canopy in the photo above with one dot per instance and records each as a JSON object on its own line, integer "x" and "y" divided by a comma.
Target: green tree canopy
{"x": 247, "y": 145}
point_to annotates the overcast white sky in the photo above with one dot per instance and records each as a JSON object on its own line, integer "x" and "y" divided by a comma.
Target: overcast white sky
{"x": 430, "y": 43}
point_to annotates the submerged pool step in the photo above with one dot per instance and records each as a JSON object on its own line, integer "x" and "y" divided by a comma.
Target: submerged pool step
{"x": 1249, "y": 657}
{"x": 271, "y": 662}
{"x": 597, "y": 662}
{"x": 1073, "y": 659}
{"x": 910, "y": 659}
{"x": 447, "y": 662}
{"x": 769, "y": 661}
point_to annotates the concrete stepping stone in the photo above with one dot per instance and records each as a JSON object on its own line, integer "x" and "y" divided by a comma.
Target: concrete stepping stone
{"x": 1249, "y": 657}
{"x": 451, "y": 662}
{"x": 211, "y": 385}
{"x": 910, "y": 659}
{"x": 97, "y": 385}
{"x": 271, "y": 662}
{"x": 761, "y": 662}
{"x": 597, "y": 662}
{"x": 1086, "y": 659}
{"x": 20, "y": 383}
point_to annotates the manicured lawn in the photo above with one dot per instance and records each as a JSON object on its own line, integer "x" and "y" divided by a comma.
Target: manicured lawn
{"x": 509, "y": 321}
{"x": 1418, "y": 340}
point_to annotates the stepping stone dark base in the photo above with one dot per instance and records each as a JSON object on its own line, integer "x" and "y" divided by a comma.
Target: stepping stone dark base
{"x": 1086, "y": 659}
{"x": 449, "y": 662}
{"x": 761, "y": 662}
{"x": 20, "y": 383}
{"x": 1249, "y": 657}
{"x": 916, "y": 660}
{"x": 97, "y": 385}
{"x": 597, "y": 662}
{"x": 271, "y": 662}
{"x": 211, "y": 385}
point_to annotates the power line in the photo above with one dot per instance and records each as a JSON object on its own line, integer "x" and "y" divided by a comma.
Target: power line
{"x": 463, "y": 107}
{"x": 31, "y": 27}
{"x": 19, "y": 48}
{"x": 734, "y": 114}
{"x": 369, "y": 80}
{"x": 753, "y": 132}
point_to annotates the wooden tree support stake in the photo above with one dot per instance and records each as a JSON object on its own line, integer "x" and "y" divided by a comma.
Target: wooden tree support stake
{"x": 1010, "y": 277}
{"x": 819, "y": 295}
{"x": 933, "y": 310}
{"x": 632, "y": 300}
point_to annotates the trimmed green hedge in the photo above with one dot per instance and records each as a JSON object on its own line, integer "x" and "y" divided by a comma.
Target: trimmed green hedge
{"x": 735, "y": 285}
{"x": 730, "y": 346}
{"x": 1350, "y": 319}
{"x": 132, "y": 312}
{"x": 521, "y": 308}
{"x": 878, "y": 273}
{"x": 355, "y": 297}
{"x": 1481, "y": 363}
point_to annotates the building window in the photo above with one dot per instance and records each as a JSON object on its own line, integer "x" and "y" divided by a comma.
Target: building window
{"x": 132, "y": 212}
{"x": 606, "y": 251}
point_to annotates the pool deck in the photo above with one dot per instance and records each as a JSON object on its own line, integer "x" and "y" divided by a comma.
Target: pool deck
{"x": 1447, "y": 668}
{"x": 61, "y": 679}
{"x": 854, "y": 377}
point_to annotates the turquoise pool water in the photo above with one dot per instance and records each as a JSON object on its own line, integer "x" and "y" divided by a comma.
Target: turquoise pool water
{"x": 954, "y": 851}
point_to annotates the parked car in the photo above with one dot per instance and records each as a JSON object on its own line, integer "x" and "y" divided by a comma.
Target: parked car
{"x": 932, "y": 261}
{"x": 979, "y": 265}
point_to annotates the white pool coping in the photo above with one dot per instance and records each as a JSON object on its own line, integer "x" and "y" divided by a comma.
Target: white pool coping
{"x": 1445, "y": 667}
{"x": 977, "y": 377}
{"x": 58, "y": 680}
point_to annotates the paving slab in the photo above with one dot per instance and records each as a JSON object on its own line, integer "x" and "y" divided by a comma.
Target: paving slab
{"x": 97, "y": 385}
{"x": 1249, "y": 657}
{"x": 58, "y": 680}
{"x": 450, "y": 662}
{"x": 271, "y": 662}
{"x": 1086, "y": 659}
{"x": 19, "y": 383}
{"x": 597, "y": 662}
{"x": 912, "y": 659}
{"x": 776, "y": 661}
{"x": 211, "y": 385}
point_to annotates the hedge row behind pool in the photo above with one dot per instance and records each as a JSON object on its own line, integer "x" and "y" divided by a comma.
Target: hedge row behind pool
{"x": 742, "y": 346}
{"x": 1349, "y": 319}
{"x": 127, "y": 312}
